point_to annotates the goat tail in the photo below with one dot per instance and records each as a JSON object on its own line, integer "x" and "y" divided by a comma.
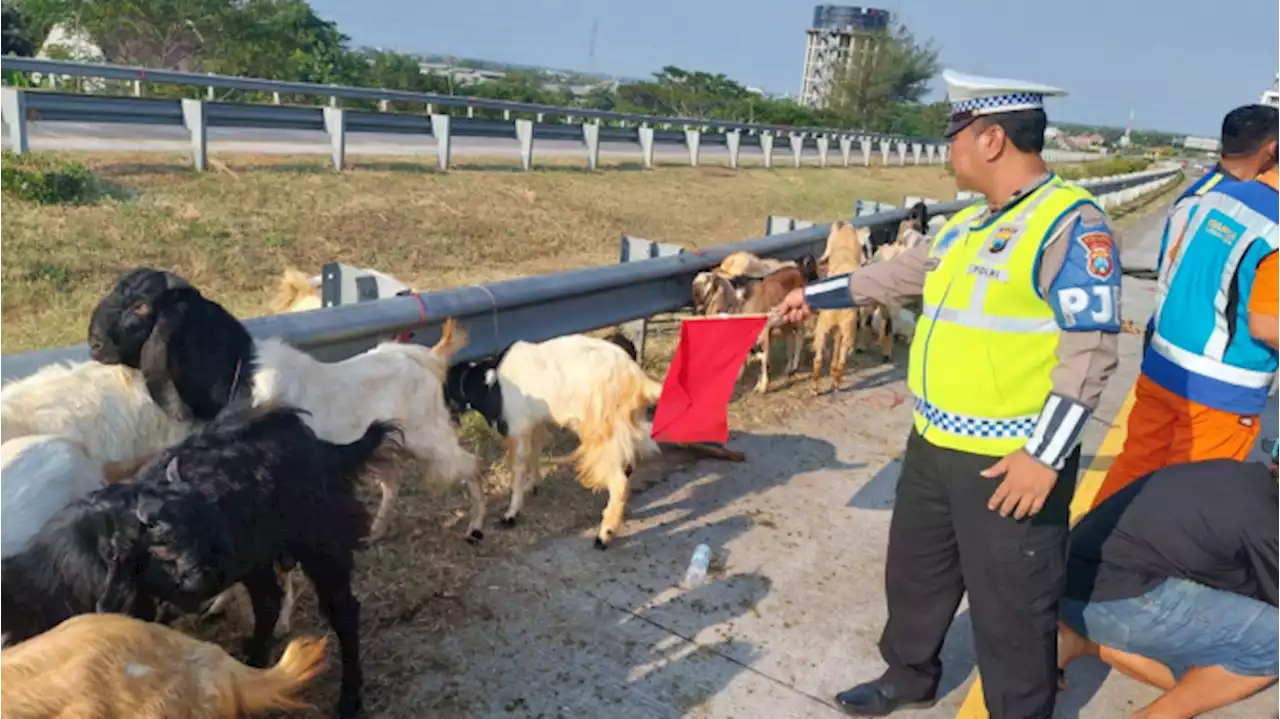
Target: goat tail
{"x": 453, "y": 338}
{"x": 257, "y": 690}
{"x": 613, "y": 433}
{"x": 381, "y": 445}
{"x": 293, "y": 286}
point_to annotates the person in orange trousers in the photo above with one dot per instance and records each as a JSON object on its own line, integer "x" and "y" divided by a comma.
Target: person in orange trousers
{"x": 1209, "y": 365}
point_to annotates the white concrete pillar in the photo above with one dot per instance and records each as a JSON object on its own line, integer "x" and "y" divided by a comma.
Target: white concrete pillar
{"x": 797, "y": 148}
{"x": 733, "y": 141}
{"x": 591, "y": 136}
{"x": 929, "y": 152}
{"x": 275, "y": 98}
{"x": 942, "y": 154}
{"x": 766, "y": 148}
{"x": 846, "y": 149}
{"x": 13, "y": 107}
{"x": 524, "y": 133}
{"x": 506, "y": 115}
{"x": 865, "y": 144}
{"x": 137, "y": 88}
{"x": 824, "y": 143}
{"x": 335, "y": 125}
{"x": 884, "y": 152}
{"x": 194, "y": 118}
{"x": 692, "y": 139}
{"x": 902, "y": 153}
{"x": 646, "y": 145}
{"x": 471, "y": 111}
{"x": 440, "y": 131}
{"x": 915, "y": 153}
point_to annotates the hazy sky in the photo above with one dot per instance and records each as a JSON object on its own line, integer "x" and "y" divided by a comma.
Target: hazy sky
{"x": 1180, "y": 64}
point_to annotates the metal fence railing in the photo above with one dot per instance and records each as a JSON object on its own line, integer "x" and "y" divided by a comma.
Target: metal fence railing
{"x": 521, "y": 121}
{"x": 544, "y": 306}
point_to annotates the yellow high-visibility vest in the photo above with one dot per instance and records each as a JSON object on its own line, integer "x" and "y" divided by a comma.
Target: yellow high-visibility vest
{"x": 985, "y": 345}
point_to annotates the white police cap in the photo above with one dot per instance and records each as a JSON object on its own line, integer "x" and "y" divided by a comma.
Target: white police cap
{"x": 972, "y": 96}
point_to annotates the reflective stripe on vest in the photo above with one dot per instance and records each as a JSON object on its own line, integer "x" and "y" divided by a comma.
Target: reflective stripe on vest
{"x": 986, "y": 343}
{"x": 1201, "y": 348}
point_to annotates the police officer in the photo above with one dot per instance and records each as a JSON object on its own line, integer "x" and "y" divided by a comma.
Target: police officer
{"x": 1017, "y": 337}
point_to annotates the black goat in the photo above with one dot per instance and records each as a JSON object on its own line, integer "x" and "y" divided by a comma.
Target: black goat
{"x": 250, "y": 488}
{"x": 195, "y": 356}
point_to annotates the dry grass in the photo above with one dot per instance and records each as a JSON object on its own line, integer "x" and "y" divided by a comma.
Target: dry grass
{"x": 231, "y": 232}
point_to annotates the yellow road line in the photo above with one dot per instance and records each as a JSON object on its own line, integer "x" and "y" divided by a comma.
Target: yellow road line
{"x": 974, "y": 707}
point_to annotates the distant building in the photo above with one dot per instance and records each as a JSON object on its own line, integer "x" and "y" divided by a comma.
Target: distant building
{"x": 1084, "y": 142}
{"x": 1272, "y": 97}
{"x": 839, "y": 34}
{"x": 1208, "y": 144}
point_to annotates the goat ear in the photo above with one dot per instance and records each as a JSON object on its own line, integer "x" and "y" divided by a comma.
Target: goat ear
{"x": 154, "y": 364}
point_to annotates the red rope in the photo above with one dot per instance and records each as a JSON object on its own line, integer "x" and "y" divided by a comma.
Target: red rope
{"x": 422, "y": 318}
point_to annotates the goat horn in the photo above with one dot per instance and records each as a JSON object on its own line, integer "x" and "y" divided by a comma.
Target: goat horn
{"x": 171, "y": 471}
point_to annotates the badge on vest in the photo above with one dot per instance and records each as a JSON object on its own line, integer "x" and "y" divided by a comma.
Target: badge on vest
{"x": 1099, "y": 245}
{"x": 1001, "y": 238}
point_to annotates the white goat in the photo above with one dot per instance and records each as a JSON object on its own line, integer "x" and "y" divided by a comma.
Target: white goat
{"x": 585, "y": 384}
{"x": 67, "y": 430}
{"x": 42, "y": 475}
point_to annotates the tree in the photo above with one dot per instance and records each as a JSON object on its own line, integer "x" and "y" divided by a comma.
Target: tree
{"x": 886, "y": 71}
{"x": 17, "y": 41}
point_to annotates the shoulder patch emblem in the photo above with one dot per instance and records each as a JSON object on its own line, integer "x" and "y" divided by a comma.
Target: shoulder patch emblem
{"x": 1099, "y": 246}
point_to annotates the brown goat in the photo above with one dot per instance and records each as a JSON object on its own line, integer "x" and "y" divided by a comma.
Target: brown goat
{"x": 843, "y": 255}
{"x": 110, "y": 665}
{"x": 713, "y": 294}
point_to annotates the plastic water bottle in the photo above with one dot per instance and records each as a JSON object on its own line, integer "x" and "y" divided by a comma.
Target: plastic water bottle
{"x": 697, "y": 571}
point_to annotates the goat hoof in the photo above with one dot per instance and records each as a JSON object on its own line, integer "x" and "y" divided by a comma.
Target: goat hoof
{"x": 600, "y": 544}
{"x": 507, "y": 522}
{"x": 474, "y": 536}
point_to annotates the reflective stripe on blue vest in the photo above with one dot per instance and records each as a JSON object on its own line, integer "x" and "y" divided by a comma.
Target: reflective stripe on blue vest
{"x": 1201, "y": 348}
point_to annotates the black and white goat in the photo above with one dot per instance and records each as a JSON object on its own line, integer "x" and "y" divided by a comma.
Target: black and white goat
{"x": 588, "y": 385}
{"x": 222, "y": 507}
{"x": 196, "y": 358}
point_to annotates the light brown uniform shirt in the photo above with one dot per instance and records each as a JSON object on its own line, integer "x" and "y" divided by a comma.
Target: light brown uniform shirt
{"x": 1085, "y": 359}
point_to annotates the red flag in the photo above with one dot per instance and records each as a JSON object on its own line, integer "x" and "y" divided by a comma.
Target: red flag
{"x": 694, "y": 406}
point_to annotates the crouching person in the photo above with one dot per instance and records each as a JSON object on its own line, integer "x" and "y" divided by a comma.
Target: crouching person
{"x": 1172, "y": 581}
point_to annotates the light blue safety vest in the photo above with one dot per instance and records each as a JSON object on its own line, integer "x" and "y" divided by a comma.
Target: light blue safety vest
{"x": 1201, "y": 348}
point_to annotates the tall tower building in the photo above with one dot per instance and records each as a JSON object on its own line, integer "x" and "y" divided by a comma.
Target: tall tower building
{"x": 838, "y": 34}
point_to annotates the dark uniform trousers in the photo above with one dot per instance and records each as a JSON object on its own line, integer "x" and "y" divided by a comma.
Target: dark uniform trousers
{"x": 943, "y": 541}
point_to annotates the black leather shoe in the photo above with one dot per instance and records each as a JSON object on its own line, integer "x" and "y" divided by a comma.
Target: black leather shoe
{"x": 877, "y": 699}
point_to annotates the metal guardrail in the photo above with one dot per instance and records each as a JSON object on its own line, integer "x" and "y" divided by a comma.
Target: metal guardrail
{"x": 20, "y": 106}
{"x": 535, "y": 308}
{"x": 173, "y": 77}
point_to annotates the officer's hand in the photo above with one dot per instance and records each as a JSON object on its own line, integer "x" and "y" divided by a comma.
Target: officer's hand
{"x": 793, "y": 308}
{"x": 1025, "y": 487}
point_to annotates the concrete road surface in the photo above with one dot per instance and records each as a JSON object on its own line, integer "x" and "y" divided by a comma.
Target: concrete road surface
{"x": 161, "y": 138}
{"x": 793, "y": 608}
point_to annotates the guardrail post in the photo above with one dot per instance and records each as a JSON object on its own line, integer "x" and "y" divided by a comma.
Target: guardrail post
{"x": 733, "y": 140}
{"x": 137, "y": 88}
{"x": 13, "y": 106}
{"x": 208, "y": 92}
{"x": 275, "y": 98}
{"x": 568, "y": 119}
{"x": 506, "y": 115}
{"x": 524, "y": 133}
{"x": 929, "y": 151}
{"x": 797, "y": 148}
{"x": 824, "y": 143}
{"x": 766, "y": 148}
{"x": 692, "y": 140}
{"x": 335, "y": 124}
{"x": 440, "y": 131}
{"x": 431, "y": 109}
{"x": 915, "y": 153}
{"x": 884, "y": 152}
{"x": 471, "y": 111}
{"x": 902, "y": 154}
{"x": 846, "y": 149}
{"x": 865, "y": 144}
{"x": 382, "y": 105}
{"x": 538, "y": 117}
{"x": 942, "y": 154}
{"x": 646, "y": 145}
{"x": 193, "y": 118}
{"x": 591, "y": 136}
